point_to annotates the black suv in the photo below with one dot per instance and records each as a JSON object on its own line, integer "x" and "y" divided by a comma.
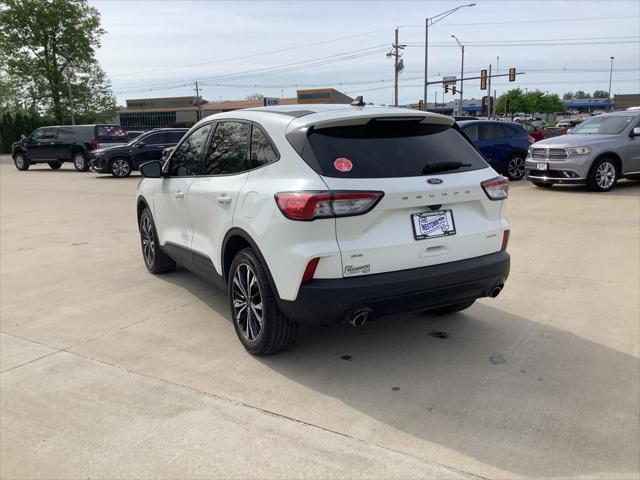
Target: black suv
{"x": 69, "y": 143}
{"x": 121, "y": 160}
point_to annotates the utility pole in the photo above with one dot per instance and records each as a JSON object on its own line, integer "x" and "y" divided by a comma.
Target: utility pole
{"x": 427, "y": 23}
{"x": 461, "y": 72}
{"x": 490, "y": 106}
{"x": 435, "y": 101}
{"x": 398, "y": 66}
{"x": 610, "y": 76}
{"x": 71, "y": 108}
{"x": 199, "y": 113}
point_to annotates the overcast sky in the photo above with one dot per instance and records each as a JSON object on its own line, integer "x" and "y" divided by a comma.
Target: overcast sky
{"x": 233, "y": 48}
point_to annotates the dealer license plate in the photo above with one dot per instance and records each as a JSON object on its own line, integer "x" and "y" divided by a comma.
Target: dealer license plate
{"x": 542, "y": 166}
{"x": 433, "y": 224}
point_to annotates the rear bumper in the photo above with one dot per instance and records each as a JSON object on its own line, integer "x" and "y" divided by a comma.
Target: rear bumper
{"x": 326, "y": 301}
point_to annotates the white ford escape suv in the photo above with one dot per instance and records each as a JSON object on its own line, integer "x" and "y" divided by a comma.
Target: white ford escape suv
{"x": 327, "y": 213}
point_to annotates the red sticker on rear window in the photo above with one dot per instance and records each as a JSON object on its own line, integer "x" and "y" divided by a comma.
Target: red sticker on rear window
{"x": 343, "y": 164}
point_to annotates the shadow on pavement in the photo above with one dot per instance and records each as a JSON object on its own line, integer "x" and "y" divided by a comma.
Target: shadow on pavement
{"x": 510, "y": 392}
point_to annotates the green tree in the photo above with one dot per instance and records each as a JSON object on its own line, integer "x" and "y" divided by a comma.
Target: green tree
{"x": 568, "y": 96}
{"x": 600, "y": 94}
{"x": 44, "y": 41}
{"x": 580, "y": 95}
{"x": 518, "y": 102}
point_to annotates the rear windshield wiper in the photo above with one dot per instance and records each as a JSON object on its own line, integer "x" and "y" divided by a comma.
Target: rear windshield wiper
{"x": 443, "y": 167}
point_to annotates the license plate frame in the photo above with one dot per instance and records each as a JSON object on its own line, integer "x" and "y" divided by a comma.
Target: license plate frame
{"x": 542, "y": 166}
{"x": 432, "y": 224}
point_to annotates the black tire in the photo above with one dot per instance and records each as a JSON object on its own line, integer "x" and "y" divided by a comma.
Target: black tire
{"x": 543, "y": 184}
{"x": 276, "y": 332}
{"x": 457, "y": 307}
{"x": 603, "y": 175}
{"x": 80, "y": 161}
{"x": 515, "y": 166}
{"x": 54, "y": 165}
{"x": 21, "y": 161}
{"x": 120, "y": 167}
{"x": 154, "y": 258}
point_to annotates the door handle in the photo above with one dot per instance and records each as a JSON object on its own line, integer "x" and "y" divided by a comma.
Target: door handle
{"x": 224, "y": 199}
{"x": 179, "y": 194}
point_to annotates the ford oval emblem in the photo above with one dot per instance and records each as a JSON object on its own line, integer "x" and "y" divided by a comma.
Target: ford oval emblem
{"x": 434, "y": 181}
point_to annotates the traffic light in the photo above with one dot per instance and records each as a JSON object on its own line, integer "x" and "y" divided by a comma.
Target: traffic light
{"x": 446, "y": 88}
{"x": 506, "y": 105}
{"x": 483, "y": 79}
{"x": 453, "y": 89}
{"x": 420, "y": 104}
{"x": 512, "y": 74}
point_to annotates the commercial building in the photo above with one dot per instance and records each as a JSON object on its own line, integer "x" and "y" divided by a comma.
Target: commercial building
{"x": 147, "y": 113}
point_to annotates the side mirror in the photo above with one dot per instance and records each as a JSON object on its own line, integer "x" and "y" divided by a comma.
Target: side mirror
{"x": 151, "y": 169}
{"x": 635, "y": 132}
{"x": 22, "y": 137}
{"x": 140, "y": 144}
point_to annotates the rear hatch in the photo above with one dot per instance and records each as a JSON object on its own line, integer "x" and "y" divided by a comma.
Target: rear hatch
{"x": 434, "y": 209}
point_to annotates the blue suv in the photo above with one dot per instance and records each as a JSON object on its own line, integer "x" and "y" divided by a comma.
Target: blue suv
{"x": 503, "y": 145}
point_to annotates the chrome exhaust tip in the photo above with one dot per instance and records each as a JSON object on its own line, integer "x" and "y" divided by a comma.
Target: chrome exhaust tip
{"x": 360, "y": 317}
{"x": 496, "y": 291}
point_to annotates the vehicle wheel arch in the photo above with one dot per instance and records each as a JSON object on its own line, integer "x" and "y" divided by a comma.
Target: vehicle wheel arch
{"x": 610, "y": 155}
{"x": 235, "y": 240}
{"x": 141, "y": 204}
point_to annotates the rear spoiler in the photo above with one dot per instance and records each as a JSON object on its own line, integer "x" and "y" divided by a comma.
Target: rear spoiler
{"x": 360, "y": 119}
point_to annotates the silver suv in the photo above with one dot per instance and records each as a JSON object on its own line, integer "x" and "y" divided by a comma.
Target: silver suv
{"x": 597, "y": 152}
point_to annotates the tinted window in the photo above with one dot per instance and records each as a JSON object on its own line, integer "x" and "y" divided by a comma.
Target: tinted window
{"x": 174, "y": 137}
{"x": 154, "y": 139}
{"x": 262, "y": 152}
{"x": 185, "y": 160}
{"x": 37, "y": 134}
{"x": 66, "y": 134}
{"x": 472, "y": 132}
{"x": 388, "y": 149}
{"x": 491, "y": 131}
{"x": 228, "y": 149}
{"x": 111, "y": 131}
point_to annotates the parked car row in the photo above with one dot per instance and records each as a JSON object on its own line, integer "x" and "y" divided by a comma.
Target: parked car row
{"x": 105, "y": 148}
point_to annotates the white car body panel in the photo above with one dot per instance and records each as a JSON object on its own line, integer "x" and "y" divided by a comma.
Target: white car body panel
{"x": 382, "y": 237}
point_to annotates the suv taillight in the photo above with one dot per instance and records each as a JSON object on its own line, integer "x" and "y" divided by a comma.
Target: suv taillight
{"x": 497, "y": 188}
{"x": 307, "y": 206}
{"x": 94, "y": 143}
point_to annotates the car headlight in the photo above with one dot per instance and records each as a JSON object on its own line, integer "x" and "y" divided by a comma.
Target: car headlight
{"x": 578, "y": 150}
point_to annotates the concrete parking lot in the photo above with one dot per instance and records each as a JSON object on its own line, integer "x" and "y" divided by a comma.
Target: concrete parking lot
{"x": 109, "y": 371}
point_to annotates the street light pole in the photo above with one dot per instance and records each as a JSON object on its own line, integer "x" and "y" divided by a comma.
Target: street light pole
{"x": 610, "y": 76}
{"x": 461, "y": 73}
{"x": 427, "y": 23}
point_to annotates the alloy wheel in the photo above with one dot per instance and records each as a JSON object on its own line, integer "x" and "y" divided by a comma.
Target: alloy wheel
{"x": 120, "y": 167}
{"x": 19, "y": 161}
{"x": 148, "y": 241}
{"x": 605, "y": 175}
{"x": 78, "y": 161}
{"x": 516, "y": 168}
{"x": 247, "y": 302}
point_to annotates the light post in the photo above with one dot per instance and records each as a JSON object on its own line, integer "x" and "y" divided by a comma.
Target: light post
{"x": 610, "y": 75}
{"x": 427, "y": 23}
{"x": 461, "y": 71}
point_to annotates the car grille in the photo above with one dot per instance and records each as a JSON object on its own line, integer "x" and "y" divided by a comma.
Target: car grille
{"x": 549, "y": 153}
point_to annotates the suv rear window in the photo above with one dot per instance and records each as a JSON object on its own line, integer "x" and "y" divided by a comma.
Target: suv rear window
{"x": 382, "y": 149}
{"x": 111, "y": 132}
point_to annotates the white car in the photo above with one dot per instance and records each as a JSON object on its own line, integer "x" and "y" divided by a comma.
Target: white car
{"x": 327, "y": 213}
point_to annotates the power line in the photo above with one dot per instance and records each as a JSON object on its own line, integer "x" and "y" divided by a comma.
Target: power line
{"x": 509, "y": 22}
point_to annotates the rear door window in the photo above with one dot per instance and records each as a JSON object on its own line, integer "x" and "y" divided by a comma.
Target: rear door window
{"x": 228, "y": 150}
{"x": 491, "y": 131}
{"x": 174, "y": 137}
{"x": 472, "y": 132}
{"x": 110, "y": 132}
{"x": 383, "y": 149}
{"x": 154, "y": 139}
{"x": 262, "y": 151}
{"x": 185, "y": 160}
